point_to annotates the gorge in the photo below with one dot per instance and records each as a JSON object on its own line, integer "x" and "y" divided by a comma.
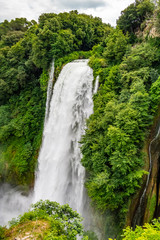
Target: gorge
{"x": 111, "y": 128}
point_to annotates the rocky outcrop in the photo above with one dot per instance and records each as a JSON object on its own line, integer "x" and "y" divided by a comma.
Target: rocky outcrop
{"x": 148, "y": 29}
{"x": 152, "y": 201}
{"x": 150, "y": 206}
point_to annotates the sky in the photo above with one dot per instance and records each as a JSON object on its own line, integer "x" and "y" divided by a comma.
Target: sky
{"x": 108, "y": 10}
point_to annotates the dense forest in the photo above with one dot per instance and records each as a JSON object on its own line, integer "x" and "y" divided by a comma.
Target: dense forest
{"x": 127, "y": 61}
{"x": 123, "y": 112}
{"x": 26, "y": 51}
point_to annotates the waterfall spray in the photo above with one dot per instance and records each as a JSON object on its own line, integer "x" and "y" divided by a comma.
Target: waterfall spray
{"x": 60, "y": 175}
{"x": 12, "y": 200}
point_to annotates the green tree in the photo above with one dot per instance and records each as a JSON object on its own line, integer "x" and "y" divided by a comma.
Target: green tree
{"x": 64, "y": 44}
{"x": 116, "y": 44}
{"x": 115, "y": 134}
{"x": 142, "y": 55}
{"x": 64, "y": 223}
{"x": 155, "y": 94}
{"x": 147, "y": 232}
{"x": 128, "y": 21}
{"x": 133, "y": 16}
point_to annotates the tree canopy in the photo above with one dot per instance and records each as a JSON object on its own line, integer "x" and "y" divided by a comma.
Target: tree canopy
{"x": 134, "y": 15}
{"x": 147, "y": 232}
{"x": 124, "y": 106}
{"x": 58, "y": 222}
{"x": 123, "y": 111}
{"x": 27, "y": 49}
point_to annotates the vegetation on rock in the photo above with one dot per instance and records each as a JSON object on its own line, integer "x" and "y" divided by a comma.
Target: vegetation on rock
{"x": 46, "y": 220}
{"x": 124, "y": 107}
{"x": 147, "y": 232}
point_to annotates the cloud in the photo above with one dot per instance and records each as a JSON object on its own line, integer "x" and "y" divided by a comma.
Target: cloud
{"x": 77, "y": 4}
{"x": 111, "y": 12}
{"x": 31, "y": 9}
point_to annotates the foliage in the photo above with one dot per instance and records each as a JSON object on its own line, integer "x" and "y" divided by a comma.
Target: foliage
{"x": 134, "y": 15}
{"x": 57, "y": 36}
{"x": 91, "y": 235}
{"x": 19, "y": 25}
{"x": 155, "y": 94}
{"x": 147, "y": 232}
{"x": 2, "y": 233}
{"x": 113, "y": 141}
{"x": 63, "y": 222}
{"x": 60, "y": 62}
{"x": 116, "y": 44}
{"x": 157, "y": 19}
{"x": 26, "y": 52}
{"x": 124, "y": 106}
{"x": 22, "y": 129}
{"x": 44, "y": 81}
{"x": 142, "y": 55}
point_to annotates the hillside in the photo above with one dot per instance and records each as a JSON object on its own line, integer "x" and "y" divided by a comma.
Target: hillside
{"x": 126, "y": 119}
{"x": 25, "y": 57}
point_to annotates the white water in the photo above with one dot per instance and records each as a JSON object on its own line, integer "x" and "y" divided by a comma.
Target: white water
{"x": 12, "y": 200}
{"x": 49, "y": 92}
{"x": 96, "y": 85}
{"x": 61, "y": 176}
{"x": 12, "y": 203}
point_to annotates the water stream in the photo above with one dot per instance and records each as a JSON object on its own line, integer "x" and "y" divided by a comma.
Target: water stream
{"x": 138, "y": 218}
{"x": 60, "y": 176}
{"x": 49, "y": 92}
{"x": 96, "y": 85}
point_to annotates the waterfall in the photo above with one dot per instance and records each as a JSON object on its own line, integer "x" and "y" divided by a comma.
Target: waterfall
{"x": 96, "y": 85}
{"x": 12, "y": 200}
{"x": 60, "y": 174}
{"x": 138, "y": 218}
{"x": 49, "y": 92}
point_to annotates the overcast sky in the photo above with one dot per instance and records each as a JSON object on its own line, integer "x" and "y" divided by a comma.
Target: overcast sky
{"x": 108, "y": 10}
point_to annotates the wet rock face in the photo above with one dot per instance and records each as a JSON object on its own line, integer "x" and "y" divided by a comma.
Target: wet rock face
{"x": 151, "y": 204}
{"x": 156, "y": 175}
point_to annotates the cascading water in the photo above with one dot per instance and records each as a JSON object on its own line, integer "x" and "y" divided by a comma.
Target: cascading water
{"x": 49, "y": 92}
{"x": 12, "y": 200}
{"x": 96, "y": 85}
{"x": 138, "y": 218}
{"x": 12, "y": 203}
{"x": 60, "y": 176}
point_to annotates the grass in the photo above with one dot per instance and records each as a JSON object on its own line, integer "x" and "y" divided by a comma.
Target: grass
{"x": 29, "y": 230}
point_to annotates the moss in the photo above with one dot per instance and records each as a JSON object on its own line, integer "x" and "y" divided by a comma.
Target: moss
{"x": 151, "y": 205}
{"x": 28, "y": 230}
